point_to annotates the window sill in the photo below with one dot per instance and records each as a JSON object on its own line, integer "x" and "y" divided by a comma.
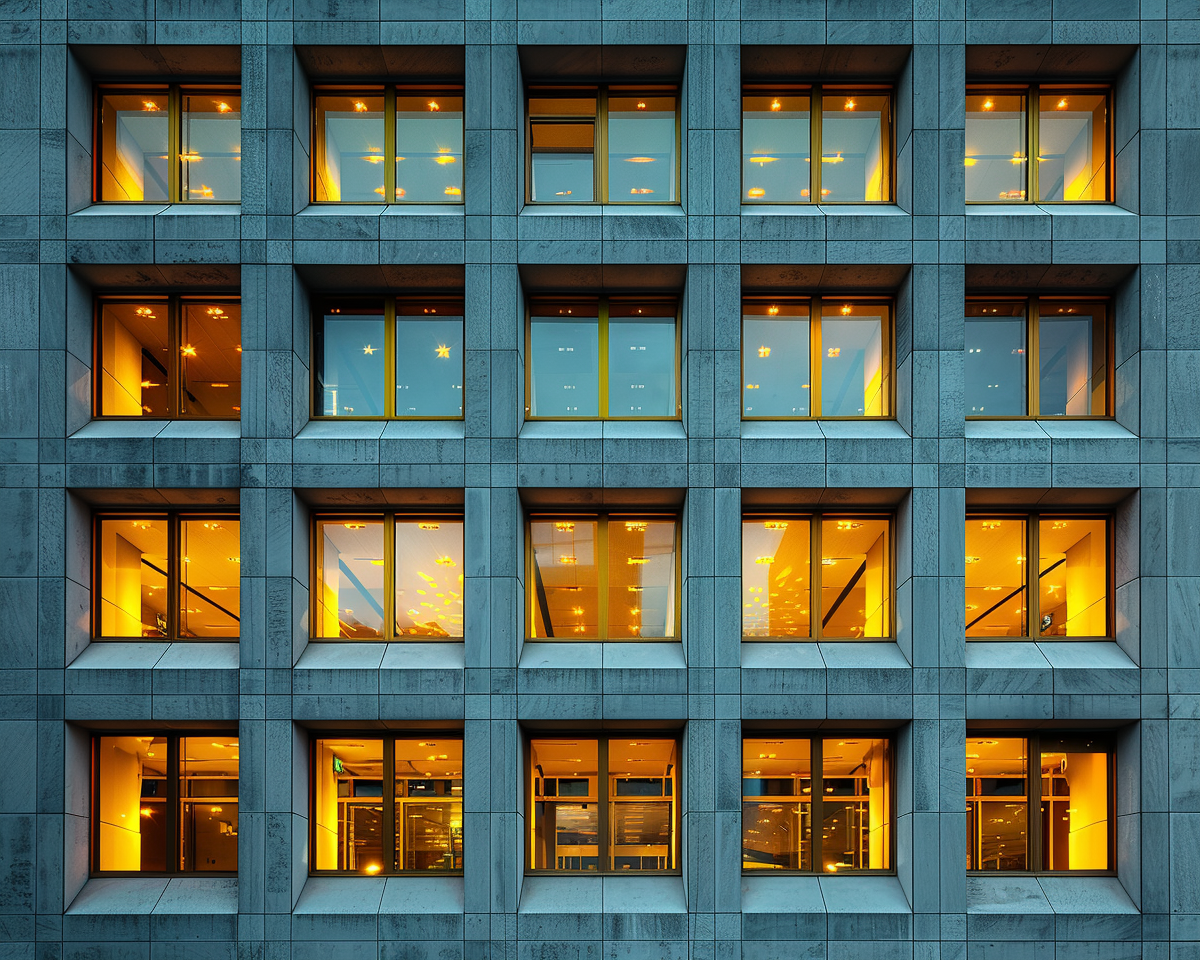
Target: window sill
{"x": 156, "y": 896}
{"x": 383, "y": 210}
{"x": 325, "y": 655}
{"x": 210, "y": 655}
{"x": 1087, "y": 209}
{"x": 602, "y": 429}
{"x": 349, "y": 429}
{"x": 602, "y": 210}
{"x": 541, "y": 654}
{"x": 339, "y": 896}
{"x": 817, "y": 907}
{"x": 154, "y": 208}
{"x": 1001, "y": 899}
{"x": 823, "y": 210}
{"x": 139, "y": 428}
{"x": 1098, "y": 428}
{"x": 591, "y": 895}
{"x": 882, "y": 428}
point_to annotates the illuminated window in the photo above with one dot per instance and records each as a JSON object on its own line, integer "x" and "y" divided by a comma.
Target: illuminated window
{"x": 364, "y": 346}
{"x": 1067, "y": 137}
{"x": 849, "y": 597}
{"x": 177, "y": 357}
{"x": 608, "y": 144}
{"x": 609, "y": 358}
{"x": 849, "y": 128}
{"x": 164, "y": 143}
{"x": 1054, "y": 817}
{"x": 359, "y": 826}
{"x": 386, "y": 144}
{"x": 1073, "y": 589}
{"x": 824, "y": 357}
{"x": 165, "y": 803}
{"x": 603, "y": 577}
{"x": 388, "y": 576}
{"x": 850, "y": 797}
{"x": 606, "y": 805}
{"x": 167, "y": 576}
{"x": 1046, "y": 357}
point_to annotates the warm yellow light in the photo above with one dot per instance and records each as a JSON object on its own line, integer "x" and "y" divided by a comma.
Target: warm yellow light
{"x": 188, "y": 350}
{"x": 354, "y": 525}
{"x": 214, "y": 809}
{"x": 444, "y": 158}
{"x": 639, "y": 159}
{"x": 764, "y": 561}
{"x": 443, "y": 351}
{"x": 147, "y": 384}
{"x": 150, "y": 105}
{"x": 429, "y": 526}
{"x": 635, "y": 526}
{"x": 637, "y": 561}
{"x": 836, "y": 158}
{"x": 846, "y": 308}
{"x": 776, "y": 105}
{"x": 453, "y": 192}
{"x": 987, "y": 104}
{"x": 215, "y": 312}
{"x": 775, "y": 524}
{"x": 373, "y": 868}
{"x": 972, "y": 559}
{"x": 641, "y": 105}
{"x": 1017, "y": 158}
{"x": 433, "y": 106}
{"x": 762, "y": 159}
{"x": 564, "y": 526}
{"x": 369, "y": 350}
{"x": 754, "y": 193}
{"x": 446, "y": 562}
{"x": 970, "y": 162}
{"x": 850, "y": 104}
{"x": 563, "y": 193}
{"x": 204, "y": 191}
{"x": 146, "y": 811}
{"x": 567, "y": 559}
{"x": 848, "y": 525}
{"x": 190, "y": 157}
{"x": 360, "y": 107}
{"x": 764, "y": 352}
{"x": 1061, "y": 105}
{"x": 144, "y": 312}
{"x": 641, "y": 190}
{"x": 373, "y": 158}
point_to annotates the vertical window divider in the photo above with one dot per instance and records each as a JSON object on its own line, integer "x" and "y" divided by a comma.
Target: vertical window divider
{"x": 1033, "y": 118}
{"x": 817, "y": 341}
{"x": 174, "y": 844}
{"x": 391, "y": 839}
{"x": 1033, "y": 827}
{"x": 602, "y": 349}
{"x": 174, "y": 145}
{"x": 389, "y": 351}
{"x": 817, "y": 804}
{"x": 391, "y": 149}
{"x": 174, "y": 588}
{"x": 389, "y": 577}
{"x": 600, "y": 146}
{"x": 814, "y": 572}
{"x": 604, "y": 853}
{"x": 604, "y": 574}
{"x": 815, "y": 147}
{"x": 1033, "y": 320}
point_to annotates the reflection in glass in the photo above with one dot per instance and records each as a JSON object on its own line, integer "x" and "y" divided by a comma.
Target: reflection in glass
{"x": 1072, "y": 146}
{"x": 855, "y": 149}
{"x": 997, "y": 160}
{"x": 429, "y": 148}
{"x": 564, "y": 360}
{"x": 1073, "y": 577}
{"x": 641, "y": 804}
{"x": 777, "y": 805}
{"x": 350, "y": 154}
{"x": 856, "y": 809}
{"x": 997, "y": 804}
{"x": 134, "y": 130}
{"x": 641, "y": 149}
{"x": 210, "y": 359}
{"x": 351, "y": 362}
{"x": 641, "y": 359}
{"x": 854, "y": 380}
{"x": 562, "y": 145}
{"x": 566, "y": 823}
{"x": 135, "y": 359}
{"x": 133, "y": 577}
{"x": 1074, "y": 806}
{"x": 350, "y": 582}
{"x": 211, "y": 146}
{"x": 429, "y": 360}
{"x": 565, "y": 592}
{"x": 775, "y": 149}
{"x": 429, "y": 577}
{"x": 208, "y": 803}
{"x": 995, "y": 585}
{"x": 775, "y": 359}
{"x": 995, "y": 360}
{"x": 1072, "y": 359}
{"x": 348, "y": 805}
{"x": 641, "y": 578}
{"x": 132, "y": 809}
{"x": 776, "y": 577}
{"x": 210, "y": 577}
{"x": 429, "y": 827}
{"x": 855, "y": 578}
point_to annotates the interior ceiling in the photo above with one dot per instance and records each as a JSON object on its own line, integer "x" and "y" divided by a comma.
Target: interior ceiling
{"x": 160, "y": 62}
{"x": 1036, "y": 61}
{"x": 623, "y": 62}
{"x": 424, "y": 62}
{"x": 841, "y": 63}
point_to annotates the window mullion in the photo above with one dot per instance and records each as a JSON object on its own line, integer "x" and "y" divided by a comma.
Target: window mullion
{"x": 604, "y": 860}
{"x": 391, "y": 839}
{"x": 390, "y": 147}
{"x": 1033, "y": 829}
{"x": 174, "y": 822}
{"x": 600, "y": 147}
{"x": 816, "y": 817}
{"x": 1033, "y": 144}
{"x": 1033, "y": 340}
{"x": 814, "y": 145}
{"x": 602, "y": 576}
{"x": 174, "y": 574}
{"x": 389, "y": 356}
{"x": 389, "y": 576}
{"x": 1033, "y": 571}
{"x": 174, "y": 145}
{"x": 174, "y": 364}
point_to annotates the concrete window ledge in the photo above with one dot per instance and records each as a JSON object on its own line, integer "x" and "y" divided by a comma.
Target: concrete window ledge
{"x": 136, "y": 655}
{"x": 386, "y": 908}
{"x": 602, "y": 429}
{"x": 826, "y": 907}
{"x": 1050, "y": 210}
{"x": 605, "y": 908}
{"x": 601, "y": 210}
{"x": 1008, "y": 679}
{"x": 154, "y": 209}
{"x": 343, "y": 210}
{"x": 1043, "y": 909}
{"x": 602, "y": 656}
{"x": 136, "y": 908}
{"x": 341, "y": 430}
{"x": 1047, "y": 429}
{"x": 376, "y": 656}
{"x": 160, "y": 429}
{"x": 810, "y": 210}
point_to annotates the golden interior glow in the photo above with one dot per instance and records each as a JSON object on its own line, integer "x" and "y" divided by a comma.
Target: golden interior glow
{"x": 150, "y": 105}
{"x": 222, "y": 106}
{"x": 755, "y": 193}
{"x": 850, "y": 104}
{"x": 433, "y": 106}
{"x": 764, "y": 352}
{"x": 776, "y": 105}
{"x": 762, "y": 160}
{"x": 443, "y": 351}
{"x": 639, "y": 159}
{"x": 360, "y": 107}
{"x": 988, "y": 104}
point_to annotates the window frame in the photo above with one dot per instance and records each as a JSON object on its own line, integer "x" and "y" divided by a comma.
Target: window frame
{"x": 389, "y": 91}
{"x": 174, "y": 304}
{"x": 550, "y": 90}
{"x": 1033, "y": 749}
{"x": 1032, "y": 304}
{"x": 815, "y": 302}
{"x": 389, "y": 317}
{"x": 172, "y": 800}
{"x": 388, "y": 738}
{"x": 174, "y": 517}
{"x": 603, "y": 801}
{"x": 1032, "y": 519}
{"x": 814, "y": 518}
{"x": 816, "y": 90}
{"x": 1032, "y": 91}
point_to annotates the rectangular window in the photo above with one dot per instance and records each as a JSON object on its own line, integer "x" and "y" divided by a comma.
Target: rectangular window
{"x": 387, "y": 144}
{"x": 820, "y": 357}
{"x": 169, "y": 357}
{"x": 607, "y": 805}
{"x": 165, "y": 803}
{"x": 605, "y": 144}
{"x": 363, "y": 347}
{"x": 167, "y": 576}
{"x": 607, "y": 358}
{"x": 848, "y": 128}
{"x": 1043, "y": 357}
{"x": 1071, "y": 828}
{"x": 166, "y": 143}
{"x": 1073, "y": 583}
{"x": 603, "y": 577}
{"x": 361, "y": 826}
{"x": 388, "y": 576}
{"x": 849, "y": 597}
{"x": 1067, "y": 136}
{"x": 850, "y": 796}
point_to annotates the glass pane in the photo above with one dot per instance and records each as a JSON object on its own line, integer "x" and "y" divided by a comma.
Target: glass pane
{"x": 133, "y": 577}
{"x": 350, "y": 586}
{"x": 208, "y": 802}
{"x": 641, "y": 149}
{"x": 641, "y": 360}
{"x": 562, "y": 150}
{"x": 856, "y": 578}
{"x": 997, "y": 804}
{"x": 133, "y": 803}
{"x": 776, "y": 805}
{"x": 997, "y": 156}
{"x": 429, "y": 578}
{"x": 133, "y": 146}
{"x": 429, "y": 360}
{"x": 856, "y": 805}
{"x": 1072, "y": 359}
{"x": 995, "y": 565}
{"x": 995, "y": 362}
{"x": 565, "y": 833}
{"x": 349, "y": 149}
{"x": 856, "y": 145}
{"x": 565, "y": 592}
{"x": 429, "y": 829}
{"x": 1073, "y": 146}
{"x": 210, "y": 358}
{"x": 348, "y": 806}
{"x": 351, "y": 362}
{"x": 134, "y": 359}
{"x": 212, "y": 146}
{"x": 775, "y": 149}
{"x": 641, "y": 804}
{"x": 775, "y": 360}
{"x": 855, "y": 379}
{"x": 641, "y": 587}
{"x": 776, "y": 571}
{"x": 1073, "y": 577}
{"x": 210, "y": 571}
{"x": 1074, "y": 807}
{"x": 564, "y": 360}
{"x": 429, "y": 148}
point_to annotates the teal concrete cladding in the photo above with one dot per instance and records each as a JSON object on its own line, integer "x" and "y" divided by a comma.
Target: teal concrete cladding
{"x": 175, "y": 98}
